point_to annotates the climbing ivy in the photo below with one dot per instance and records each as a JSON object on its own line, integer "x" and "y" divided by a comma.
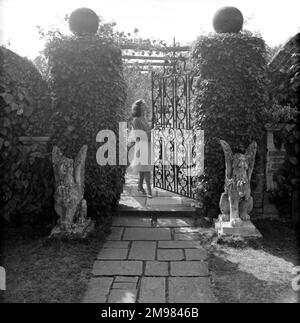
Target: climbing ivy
{"x": 86, "y": 79}
{"x": 26, "y": 172}
{"x": 287, "y": 177}
{"x": 229, "y": 103}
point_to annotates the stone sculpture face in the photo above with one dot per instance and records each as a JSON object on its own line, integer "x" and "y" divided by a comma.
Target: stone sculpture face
{"x": 236, "y": 201}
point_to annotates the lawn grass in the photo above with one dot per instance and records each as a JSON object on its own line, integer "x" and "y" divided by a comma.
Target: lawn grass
{"x": 41, "y": 270}
{"x": 261, "y": 274}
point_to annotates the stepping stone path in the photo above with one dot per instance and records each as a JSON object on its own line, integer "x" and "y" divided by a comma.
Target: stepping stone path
{"x": 143, "y": 264}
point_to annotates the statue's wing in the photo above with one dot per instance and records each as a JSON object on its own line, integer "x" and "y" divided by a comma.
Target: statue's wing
{"x": 250, "y": 155}
{"x": 56, "y": 154}
{"x": 79, "y": 165}
{"x": 228, "y": 157}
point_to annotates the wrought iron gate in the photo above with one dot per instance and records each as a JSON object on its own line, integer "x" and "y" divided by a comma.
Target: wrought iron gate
{"x": 177, "y": 148}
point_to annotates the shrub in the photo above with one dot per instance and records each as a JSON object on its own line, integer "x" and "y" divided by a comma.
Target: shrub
{"x": 287, "y": 178}
{"x": 26, "y": 172}
{"x": 281, "y": 114}
{"x": 86, "y": 79}
{"x": 230, "y": 97}
{"x": 284, "y": 90}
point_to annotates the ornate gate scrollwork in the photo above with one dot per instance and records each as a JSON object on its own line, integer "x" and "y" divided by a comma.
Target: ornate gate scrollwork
{"x": 177, "y": 148}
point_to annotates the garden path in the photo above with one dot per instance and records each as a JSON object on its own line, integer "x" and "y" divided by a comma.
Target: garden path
{"x": 151, "y": 260}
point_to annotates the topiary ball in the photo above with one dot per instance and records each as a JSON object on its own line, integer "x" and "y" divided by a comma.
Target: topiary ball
{"x": 228, "y": 20}
{"x": 83, "y": 21}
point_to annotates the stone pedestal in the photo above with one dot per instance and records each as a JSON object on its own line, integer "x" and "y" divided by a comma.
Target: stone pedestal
{"x": 77, "y": 231}
{"x": 246, "y": 231}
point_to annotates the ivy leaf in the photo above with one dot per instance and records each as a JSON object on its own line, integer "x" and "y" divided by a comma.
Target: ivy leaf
{"x": 8, "y": 98}
{"x": 293, "y": 160}
{"x": 28, "y": 110}
{"x": 14, "y": 106}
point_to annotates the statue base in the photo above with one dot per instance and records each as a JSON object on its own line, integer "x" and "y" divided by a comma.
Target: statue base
{"x": 244, "y": 232}
{"x": 77, "y": 231}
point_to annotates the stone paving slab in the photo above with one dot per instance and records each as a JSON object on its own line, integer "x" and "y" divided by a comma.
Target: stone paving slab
{"x": 121, "y": 221}
{"x": 142, "y": 250}
{"x": 162, "y": 193}
{"x": 130, "y": 189}
{"x": 117, "y": 244}
{"x": 174, "y": 222}
{"x": 170, "y": 254}
{"x": 195, "y": 254}
{"x": 117, "y": 267}
{"x": 126, "y": 279}
{"x": 122, "y": 296}
{"x": 153, "y": 290}
{"x": 134, "y": 195}
{"x": 147, "y": 234}
{"x": 133, "y": 201}
{"x": 178, "y": 244}
{"x": 188, "y": 201}
{"x": 112, "y": 253}
{"x": 164, "y": 201}
{"x": 140, "y": 263}
{"x": 116, "y": 233}
{"x": 186, "y": 236}
{"x": 124, "y": 285}
{"x": 189, "y": 268}
{"x": 98, "y": 290}
{"x": 170, "y": 208}
{"x": 157, "y": 268}
{"x": 190, "y": 290}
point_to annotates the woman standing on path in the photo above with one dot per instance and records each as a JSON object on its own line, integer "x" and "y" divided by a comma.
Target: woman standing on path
{"x": 144, "y": 169}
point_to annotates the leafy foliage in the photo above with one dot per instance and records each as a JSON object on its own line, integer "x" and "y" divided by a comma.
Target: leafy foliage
{"x": 230, "y": 96}
{"x": 26, "y": 172}
{"x": 277, "y": 113}
{"x": 86, "y": 79}
{"x": 279, "y": 88}
{"x": 287, "y": 178}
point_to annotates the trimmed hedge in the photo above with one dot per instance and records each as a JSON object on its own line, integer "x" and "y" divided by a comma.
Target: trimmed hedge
{"x": 86, "y": 78}
{"x": 26, "y": 172}
{"x": 229, "y": 102}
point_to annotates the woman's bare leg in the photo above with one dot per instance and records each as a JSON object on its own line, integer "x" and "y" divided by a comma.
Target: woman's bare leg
{"x": 147, "y": 176}
{"x": 141, "y": 181}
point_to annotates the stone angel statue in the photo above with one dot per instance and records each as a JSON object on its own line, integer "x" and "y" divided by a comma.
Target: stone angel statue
{"x": 236, "y": 202}
{"x": 70, "y": 204}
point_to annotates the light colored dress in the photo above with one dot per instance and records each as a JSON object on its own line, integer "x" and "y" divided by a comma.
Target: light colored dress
{"x": 140, "y": 163}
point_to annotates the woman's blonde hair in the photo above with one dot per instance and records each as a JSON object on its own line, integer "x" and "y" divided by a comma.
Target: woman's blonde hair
{"x": 137, "y": 108}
